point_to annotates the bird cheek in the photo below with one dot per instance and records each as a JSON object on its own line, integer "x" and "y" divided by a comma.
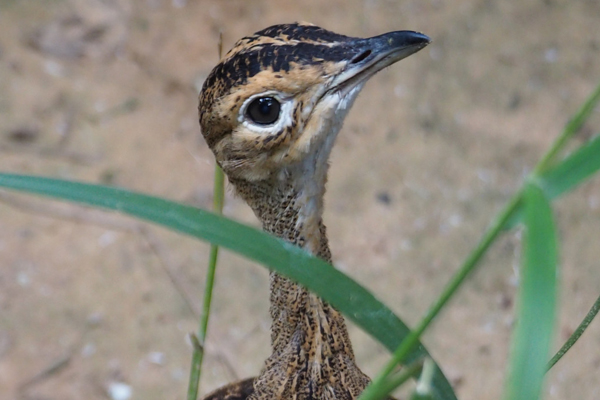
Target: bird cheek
{"x": 309, "y": 135}
{"x": 271, "y": 141}
{"x": 242, "y": 166}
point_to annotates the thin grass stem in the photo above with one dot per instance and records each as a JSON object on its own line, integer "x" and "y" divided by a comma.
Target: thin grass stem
{"x": 218, "y": 199}
{"x": 576, "y": 335}
{"x": 198, "y": 355}
{"x": 401, "y": 377}
{"x": 424, "y": 385}
{"x": 571, "y": 128}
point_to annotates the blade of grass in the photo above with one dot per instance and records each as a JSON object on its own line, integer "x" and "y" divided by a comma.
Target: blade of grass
{"x": 564, "y": 177}
{"x": 423, "y": 389}
{"x": 576, "y": 335}
{"x": 218, "y": 199}
{"x": 571, "y": 128}
{"x": 198, "y": 355}
{"x": 342, "y": 292}
{"x": 536, "y": 314}
{"x": 410, "y": 371}
{"x": 573, "y": 170}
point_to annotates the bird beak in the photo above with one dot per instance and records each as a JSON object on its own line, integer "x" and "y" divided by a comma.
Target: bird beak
{"x": 371, "y": 55}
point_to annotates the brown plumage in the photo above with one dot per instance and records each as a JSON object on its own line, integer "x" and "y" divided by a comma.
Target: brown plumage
{"x": 270, "y": 112}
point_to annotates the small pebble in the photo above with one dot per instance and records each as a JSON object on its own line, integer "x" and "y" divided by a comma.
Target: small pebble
{"x": 107, "y": 238}
{"x": 384, "y": 198}
{"x": 157, "y": 358}
{"x": 119, "y": 391}
{"x": 54, "y": 69}
{"x": 23, "y": 279}
{"x": 95, "y": 319}
{"x": 23, "y": 134}
{"x": 88, "y": 350}
{"x": 178, "y": 374}
{"x": 551, "y": 55}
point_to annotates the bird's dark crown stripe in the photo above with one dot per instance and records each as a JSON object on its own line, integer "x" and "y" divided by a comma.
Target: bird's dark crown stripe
{"x": 243, "y": 65}
{"x": 302, "y": 33}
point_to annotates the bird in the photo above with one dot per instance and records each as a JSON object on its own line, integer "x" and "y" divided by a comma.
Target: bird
{"x": 270, "y": 112}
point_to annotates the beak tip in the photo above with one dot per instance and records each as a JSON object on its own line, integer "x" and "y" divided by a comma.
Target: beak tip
{"x": 412, "y": 38}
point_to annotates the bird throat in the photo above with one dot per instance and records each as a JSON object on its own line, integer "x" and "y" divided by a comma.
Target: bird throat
{"x": 312, "y": 357}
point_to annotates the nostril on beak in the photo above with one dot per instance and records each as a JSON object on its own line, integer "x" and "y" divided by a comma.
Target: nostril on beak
{"x": 361, "y": 57}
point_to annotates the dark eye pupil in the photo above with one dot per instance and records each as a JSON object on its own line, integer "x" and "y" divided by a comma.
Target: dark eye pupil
{"x": 264, "y": 110}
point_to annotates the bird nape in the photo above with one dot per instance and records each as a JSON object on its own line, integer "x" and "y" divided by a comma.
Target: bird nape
{"x": 270, "y": 112}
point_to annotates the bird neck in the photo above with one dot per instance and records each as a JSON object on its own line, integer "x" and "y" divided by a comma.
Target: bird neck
{"x": 290, "y": 210}
{"x": 292, "y": 213}
{"x": 308, "y": 336}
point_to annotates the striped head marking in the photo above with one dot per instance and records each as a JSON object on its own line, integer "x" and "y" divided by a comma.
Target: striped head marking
{"x": 281, "y": 95}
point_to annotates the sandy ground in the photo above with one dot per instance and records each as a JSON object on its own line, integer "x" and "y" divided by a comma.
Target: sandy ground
{"x": 105, "y": 91}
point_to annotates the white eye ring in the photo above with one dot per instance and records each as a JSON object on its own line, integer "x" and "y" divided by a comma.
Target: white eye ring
{"x": 283, "y": 120}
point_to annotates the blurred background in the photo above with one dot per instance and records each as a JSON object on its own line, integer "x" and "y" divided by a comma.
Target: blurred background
{"x": 97, "y": 305}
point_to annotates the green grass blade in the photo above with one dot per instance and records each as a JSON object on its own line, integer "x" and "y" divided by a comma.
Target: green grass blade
{"x": 423, "y": 389}
{"x": 559, "y": 178}
{"x": 576, "y": 335}
{"x": 580, "y": 117}
{"x": 568, "y": 174}
{"x": 536, "y": 315}
{"x": 346, "y": 295}
{"x": 198, "y": 356}
{"x": 409, "y": 371}
{"x": 573, "y": 170}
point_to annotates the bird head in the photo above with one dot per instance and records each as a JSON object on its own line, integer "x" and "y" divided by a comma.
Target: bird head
{"x": 274, "y": 104}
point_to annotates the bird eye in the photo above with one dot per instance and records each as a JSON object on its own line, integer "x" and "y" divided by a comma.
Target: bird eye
{"x": 264, "y": 110}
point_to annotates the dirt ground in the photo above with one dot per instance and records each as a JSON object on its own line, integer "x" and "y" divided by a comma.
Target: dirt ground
{"x": 105, "y": 91}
